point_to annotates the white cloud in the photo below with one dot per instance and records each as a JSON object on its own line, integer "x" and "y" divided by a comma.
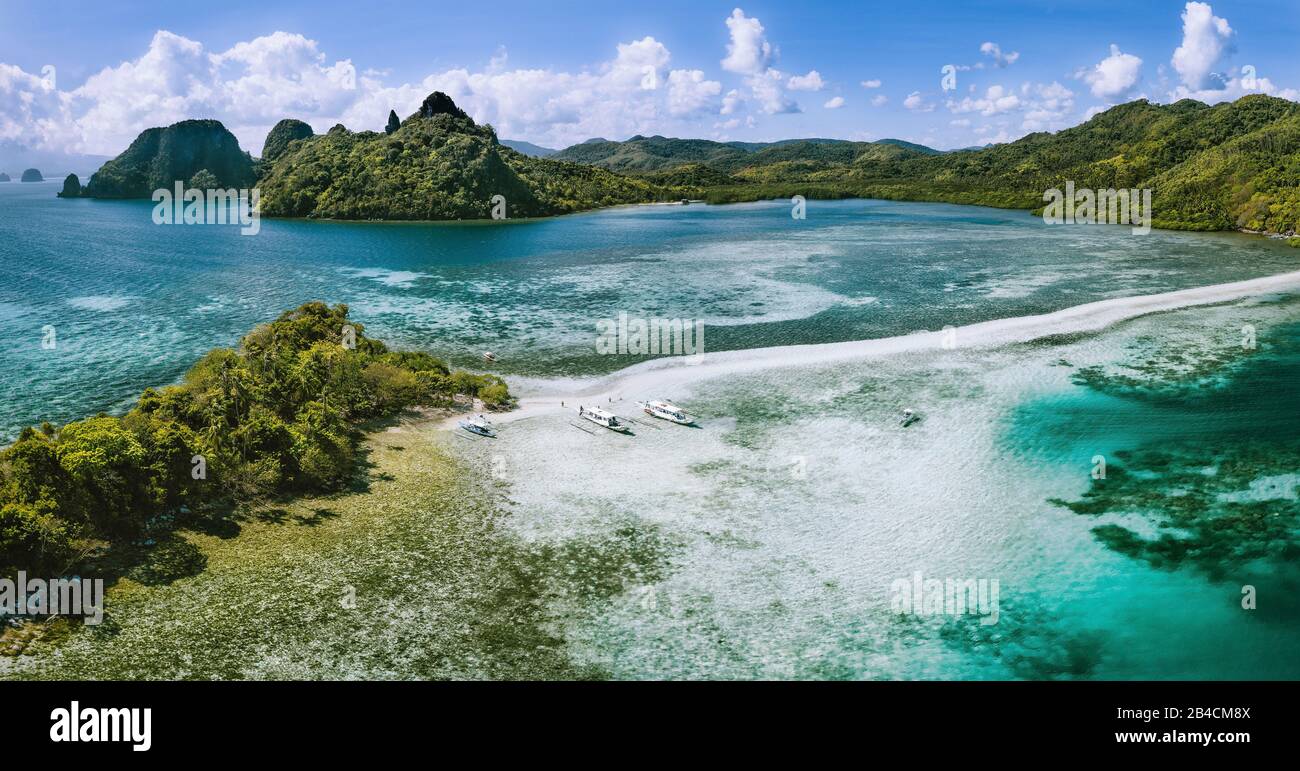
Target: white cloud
{"x": 255, "y": 83}
{"x": 1115, "y": 76}
{"x": 30, "y": 105}
{"x": 1044, "y": 107}
{"x": 810, "y": 82}
{"x": 917, "y": 103}
{"x": 1048, "y": 107}
{"x": 1206, "y": 38}
{"x": 771, "y": 97}
{"x": 731, "y": 102}
{"x": 873, "y": 83}
{"x": 689, "y": 92}
{"x": 994, "y": 51}
{"x": 748, "y": 53}
{"x": 1239, "y": 83}
{"x": 879, "y": 100}
{"x": 834, "y": 103}
{"x": 996, "y": 100}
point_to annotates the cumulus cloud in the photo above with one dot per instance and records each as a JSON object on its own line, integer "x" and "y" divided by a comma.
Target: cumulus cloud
{"x": 768, "y": 93}
{"x": 1043, "y": 107}
{"x": 994, "y": 51}
{"x": 689, "y": 92}
{"x": 255, "y": 83}
{"x": 30, "y": 104}
{"x": 1206, "y": 38}
{"x": 917, "y": 103}
{"x": 834, "y": 103}
{"x": 879, "y": 100}
{"x": 731, "y": 102}
{"x": 1115, "y": 76}
{"x": 810, "y": 82}
{"x": 1235, "y": 84}
{"x": 996, "y": 100}
{"x": 873, "y": 83}
{"x": 1047, "y": 107}
{"x": 1207, "y": 41}
{"x": 749, "y": 52}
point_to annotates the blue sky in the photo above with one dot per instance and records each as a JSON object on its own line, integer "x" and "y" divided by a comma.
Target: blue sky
{"x": 556, "y": 73}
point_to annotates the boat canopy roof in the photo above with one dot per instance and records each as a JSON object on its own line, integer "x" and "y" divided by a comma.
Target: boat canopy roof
{"x": 598, "y": 412}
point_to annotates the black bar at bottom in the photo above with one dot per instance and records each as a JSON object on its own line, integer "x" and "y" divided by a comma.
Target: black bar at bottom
{"x": 209, "y": 720}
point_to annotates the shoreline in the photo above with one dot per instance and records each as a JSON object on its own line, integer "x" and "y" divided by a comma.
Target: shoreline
{"x": 650, "y": 379}
{"x": 1285, "y": 237}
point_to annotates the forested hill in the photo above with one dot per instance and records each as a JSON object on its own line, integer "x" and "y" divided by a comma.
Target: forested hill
{"x": 657, "y": 153}
{"x": 1235, "y": 165}
{"x": 436, "y": 164}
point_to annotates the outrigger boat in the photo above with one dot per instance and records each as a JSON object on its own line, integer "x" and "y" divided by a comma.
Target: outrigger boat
{"x": 478, "y": 425}
{"x": 667, "y": 411}
{"x": 910, "y": 416}
{"x": 602, "y": 418}
{"x": 489, "y": 357}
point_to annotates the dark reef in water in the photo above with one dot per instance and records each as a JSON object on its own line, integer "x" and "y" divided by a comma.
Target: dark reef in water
{"x": 1221, "y": 497}
{"x": 1189, "y": 496}
{"x": 1031, "y": 642}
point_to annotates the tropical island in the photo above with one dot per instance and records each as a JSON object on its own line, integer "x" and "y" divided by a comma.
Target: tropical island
{"x": 1231, "y": 166}
{"x": 32, "y": 175}
{"x": 281, "y": 415}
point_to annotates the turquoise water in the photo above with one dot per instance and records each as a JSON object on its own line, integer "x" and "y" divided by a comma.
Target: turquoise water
{"x": 133, "y": 304}
{"x": 774, "y": 574}
{"x": 762, "y": 572}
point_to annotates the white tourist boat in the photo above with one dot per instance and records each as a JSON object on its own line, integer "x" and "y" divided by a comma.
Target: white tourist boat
{"x": 489, "y": 357}
{"x": 909, "y": 417}
{"x": 478, "y": 425}
{"x": 602, "y": 418}
{"x": 666, "y": 410}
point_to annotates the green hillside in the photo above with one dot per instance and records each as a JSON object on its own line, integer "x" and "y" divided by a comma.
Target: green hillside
{"x": 640, "y": 154}
{"x": 1235, "y": 165}
{"x": 161, "y": 157}
{"x": 439, "y": 164}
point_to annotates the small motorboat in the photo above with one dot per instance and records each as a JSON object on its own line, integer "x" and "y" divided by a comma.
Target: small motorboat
{"x": 478, "y": 425}
{"x": 489, "y": 357}
{"x": 602, "y": 418}
{"x": 910, "y": 416}
{"x": 666, "y": 410}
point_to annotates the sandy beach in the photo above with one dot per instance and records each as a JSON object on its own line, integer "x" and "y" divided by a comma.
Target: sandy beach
{"x": 658, "y": 377}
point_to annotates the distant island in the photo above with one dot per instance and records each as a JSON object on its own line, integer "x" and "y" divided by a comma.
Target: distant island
{"x": 33, "y": 175}
{"x": 71, "y": 187}
{"x": 1230, "y": 166}
{"x": 528, "y": 148}
{"x": 4, "y": 177}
